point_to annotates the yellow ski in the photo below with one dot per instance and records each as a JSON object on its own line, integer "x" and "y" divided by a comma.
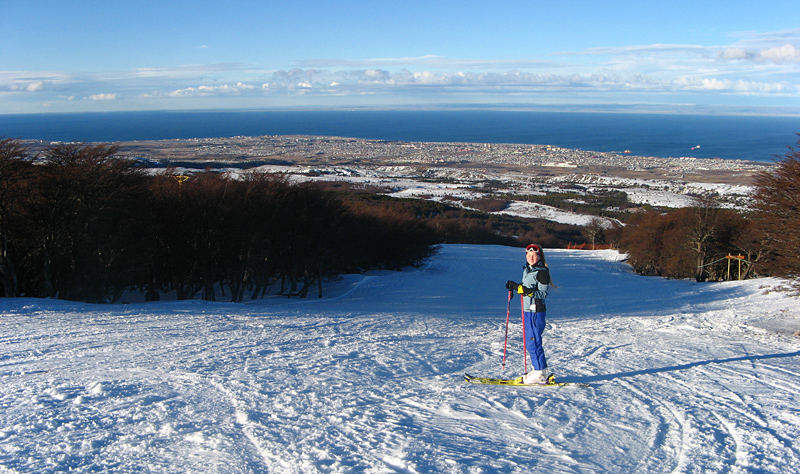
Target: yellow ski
{"x": 551, "y": 382}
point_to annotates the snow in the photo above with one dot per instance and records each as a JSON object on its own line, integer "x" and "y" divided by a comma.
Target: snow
{"x": 455, "y": 186}
{"x": 665, "y": 193}
{"x": 550, "y": 213}
{"x": 685, "y": 377}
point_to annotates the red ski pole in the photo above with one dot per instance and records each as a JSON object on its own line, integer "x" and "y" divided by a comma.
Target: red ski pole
{"x": 524, "y": 349}
{"x": 508, "y": 315}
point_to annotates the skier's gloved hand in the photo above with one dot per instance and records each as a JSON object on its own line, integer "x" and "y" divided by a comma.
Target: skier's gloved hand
{"x": 511, "y": 286}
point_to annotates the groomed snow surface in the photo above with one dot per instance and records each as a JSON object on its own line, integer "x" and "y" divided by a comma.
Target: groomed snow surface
{"x": 685, "y": 377}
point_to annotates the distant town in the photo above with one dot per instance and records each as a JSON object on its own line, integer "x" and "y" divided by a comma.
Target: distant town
{"x": 308, "y": 150}
{"x": 458, "y": 173}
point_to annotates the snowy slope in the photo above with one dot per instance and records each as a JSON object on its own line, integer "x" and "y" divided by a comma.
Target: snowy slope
{"x": 684, "y": 377}
{"x": 550, "y": 213}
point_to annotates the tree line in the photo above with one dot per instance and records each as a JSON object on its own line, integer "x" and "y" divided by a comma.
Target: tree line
{"x": 78, "y": 223}
{"x": 697, "y": 242}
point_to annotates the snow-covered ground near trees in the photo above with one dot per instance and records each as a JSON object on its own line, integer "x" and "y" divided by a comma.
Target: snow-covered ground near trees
{"x": 685, "y": 377}
{"x": 550, "y": 213}
{"x": 452, "y": 186}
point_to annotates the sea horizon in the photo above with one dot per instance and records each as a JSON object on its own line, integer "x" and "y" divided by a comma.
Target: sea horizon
{"x": 730, "y": 137}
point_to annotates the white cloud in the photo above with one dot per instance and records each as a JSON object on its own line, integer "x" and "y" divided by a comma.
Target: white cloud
{"x": 206, "y": 91}
{"x": 785, "y": 54}
{"x": 376, "y": 74}
{"x": 735, "y": 54}
{"x": 655, "y": 68}
{"x": 647, "y": 49}
{"x": 35, "y": 86}
{"x": 32, "y": 81}
{"x": 428, "y": 61}
{"x": 180, "y": 72}
{"x": 738, "y": 86}
{"x": 512, "y": 82}
{"x": 113, "y": 96}
{"x": 715, "y": 84}
{"x": 755, "y": 66}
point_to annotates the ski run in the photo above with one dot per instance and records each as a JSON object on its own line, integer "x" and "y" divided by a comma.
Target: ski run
{"x": 684, "y": 377}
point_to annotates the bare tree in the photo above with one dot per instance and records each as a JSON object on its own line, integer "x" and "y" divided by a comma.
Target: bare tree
{"x": 15, "y": 170}
{"x": 80, "y": 221}
{"x": 702, "y": 231}
{"x": 594, "y": 231}
{"x": 777, "y": 201}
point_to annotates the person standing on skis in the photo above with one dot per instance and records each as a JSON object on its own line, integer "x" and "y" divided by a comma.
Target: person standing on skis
{"x": 534, "y": 287}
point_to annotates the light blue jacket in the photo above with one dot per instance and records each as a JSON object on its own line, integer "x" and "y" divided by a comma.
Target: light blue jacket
{"x": 537, "y": 278}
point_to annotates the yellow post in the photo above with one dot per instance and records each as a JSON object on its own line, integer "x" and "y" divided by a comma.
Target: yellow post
{"x": 741, "y": 257}
{"x": 729, "y": 268}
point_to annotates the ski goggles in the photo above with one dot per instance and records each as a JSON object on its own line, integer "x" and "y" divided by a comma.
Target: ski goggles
{"x": 533, "y": 248}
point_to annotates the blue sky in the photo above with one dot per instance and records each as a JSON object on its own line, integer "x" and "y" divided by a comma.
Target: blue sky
{"x": 76, "y": 56}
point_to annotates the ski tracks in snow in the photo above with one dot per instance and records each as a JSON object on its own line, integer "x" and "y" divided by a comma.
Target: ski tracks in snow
{"x": 709, "y": 396}
{"x": 372, "y": 381}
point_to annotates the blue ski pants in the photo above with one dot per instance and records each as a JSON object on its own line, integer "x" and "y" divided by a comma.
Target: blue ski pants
{"x": 534, "y": 327}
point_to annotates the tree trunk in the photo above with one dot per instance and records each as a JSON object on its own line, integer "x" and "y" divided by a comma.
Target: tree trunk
{"x": 7, "y": 272}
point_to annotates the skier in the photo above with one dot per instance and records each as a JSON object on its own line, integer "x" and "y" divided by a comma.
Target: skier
{"x": 534, "y": 287}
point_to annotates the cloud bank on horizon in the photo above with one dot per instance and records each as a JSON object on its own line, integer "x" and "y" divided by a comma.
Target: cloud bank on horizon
{"x": 139, "y": 63}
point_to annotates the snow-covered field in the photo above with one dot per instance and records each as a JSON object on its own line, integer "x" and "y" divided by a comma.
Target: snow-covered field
{"x": 685, "y": 377}
{"x": 550, "y": 213}
{"x": 452, "y": 186}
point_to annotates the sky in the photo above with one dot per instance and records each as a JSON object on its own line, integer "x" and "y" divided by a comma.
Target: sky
{"x": 83, "y": 56}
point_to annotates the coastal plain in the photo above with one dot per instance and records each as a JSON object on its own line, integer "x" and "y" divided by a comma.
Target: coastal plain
{"x": 457, "y": 173}
{"x": 539, "y": 159}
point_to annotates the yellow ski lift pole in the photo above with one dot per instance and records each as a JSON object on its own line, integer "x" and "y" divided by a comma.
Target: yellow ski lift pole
{"x": 739, "y": 258}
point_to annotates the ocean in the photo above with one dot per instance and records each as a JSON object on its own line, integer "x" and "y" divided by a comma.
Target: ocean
{"x": 755, "y": 138}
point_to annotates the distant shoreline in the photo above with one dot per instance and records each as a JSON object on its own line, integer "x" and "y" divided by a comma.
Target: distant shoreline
{"x": 342, "y": 152}
{"x": 632, "y": 109}
{"x": 749, "y": 138}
